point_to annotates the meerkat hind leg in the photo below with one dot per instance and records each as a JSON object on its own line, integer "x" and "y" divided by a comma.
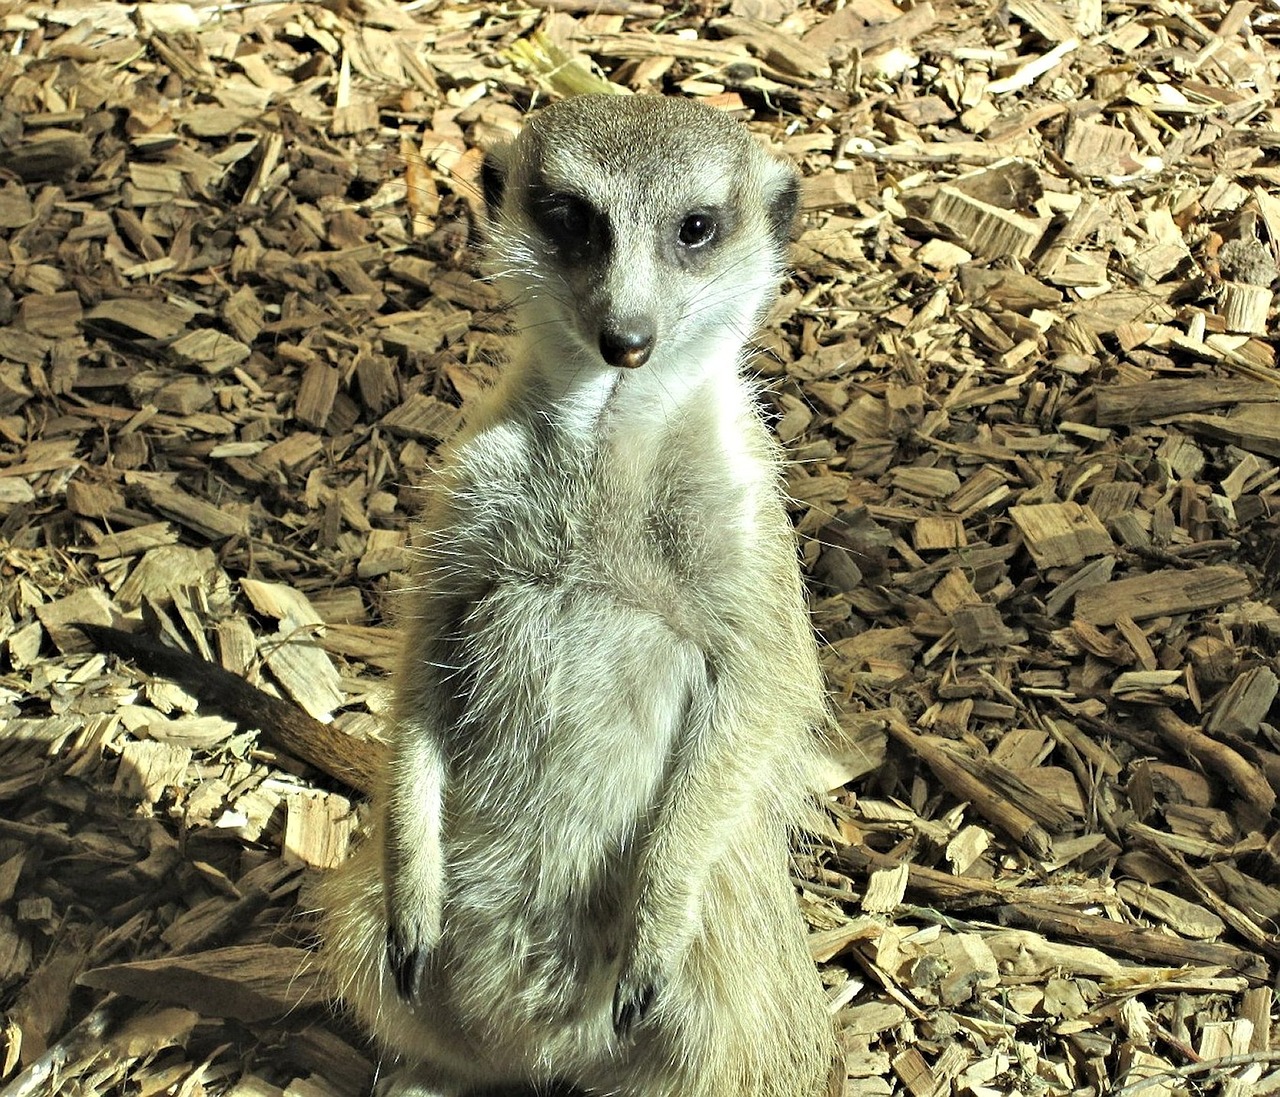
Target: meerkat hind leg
{"x": 746, "y": 1014}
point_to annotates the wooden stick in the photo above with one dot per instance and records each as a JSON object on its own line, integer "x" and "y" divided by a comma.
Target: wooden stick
{"x": 355, "y": 762}
{"x": 1015, "y": 822}
{"x": 1012, "y": 907}
{"x": 1260, "y": 939}
{"x": 1063, "y": 923}
{"x": 1257, "y": 797}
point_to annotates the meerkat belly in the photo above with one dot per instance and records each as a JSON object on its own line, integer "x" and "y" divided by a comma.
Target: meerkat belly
{"x": 574, "y": 705}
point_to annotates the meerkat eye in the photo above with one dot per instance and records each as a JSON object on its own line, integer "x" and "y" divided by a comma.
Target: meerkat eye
{"x": 697, "y": 229}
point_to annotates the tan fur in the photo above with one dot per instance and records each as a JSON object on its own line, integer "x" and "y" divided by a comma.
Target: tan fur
{"x": 607, "y": 710}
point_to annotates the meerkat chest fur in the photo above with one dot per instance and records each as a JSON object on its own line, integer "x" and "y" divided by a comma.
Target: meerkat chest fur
{"x": 600, "y": 577}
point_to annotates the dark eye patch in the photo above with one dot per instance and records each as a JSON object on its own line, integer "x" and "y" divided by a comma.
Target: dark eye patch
{"x": 568, "y": 221}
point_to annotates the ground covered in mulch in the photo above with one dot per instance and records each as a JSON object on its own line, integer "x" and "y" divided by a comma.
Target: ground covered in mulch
{"x": 1024, "y": 372}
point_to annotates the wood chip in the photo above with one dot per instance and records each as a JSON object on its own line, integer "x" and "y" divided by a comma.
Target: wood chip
{"x": 1061, "y": 534}
{"x": 251, "y": 983}
{"x": 1163, "y": 592}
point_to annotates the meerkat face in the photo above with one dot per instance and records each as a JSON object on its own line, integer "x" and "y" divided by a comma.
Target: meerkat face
{"x": 637, "y": 229}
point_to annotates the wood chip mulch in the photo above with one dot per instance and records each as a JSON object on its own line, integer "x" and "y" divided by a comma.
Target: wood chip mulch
{"x": 1023, "y": 368}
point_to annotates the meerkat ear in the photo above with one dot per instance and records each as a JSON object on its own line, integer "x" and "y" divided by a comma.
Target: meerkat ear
{"x": 782, "y": 201}
{"x": 493, "y": 180}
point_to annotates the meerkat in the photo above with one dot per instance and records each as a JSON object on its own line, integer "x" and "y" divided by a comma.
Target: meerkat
{"x": 608, "y": 712}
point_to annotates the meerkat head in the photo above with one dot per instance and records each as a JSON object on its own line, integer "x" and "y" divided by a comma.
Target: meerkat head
{"x": 637, "y": 229}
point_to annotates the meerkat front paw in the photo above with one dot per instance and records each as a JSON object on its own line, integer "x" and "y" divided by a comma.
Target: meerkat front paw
{"x": 662, "y": 934}
{"x": 632, "y": 998}
{"x": 413, "y": 930}
{"x": 408, "y": 962}
{"x": 645, "y": 967}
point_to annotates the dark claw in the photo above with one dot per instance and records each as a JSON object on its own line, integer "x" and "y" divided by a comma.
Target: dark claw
{"x": 407, "y": 965}
{"x": 630, "y": 1008}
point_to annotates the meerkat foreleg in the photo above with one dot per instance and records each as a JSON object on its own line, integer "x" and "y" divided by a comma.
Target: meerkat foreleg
{"x": 716, "y": 779}
{"x": 413, "y": 870}
{"x": 413, "y": 865}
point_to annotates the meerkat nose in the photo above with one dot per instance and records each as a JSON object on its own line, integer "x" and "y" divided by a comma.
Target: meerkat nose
{"x": 627, "y": 343}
